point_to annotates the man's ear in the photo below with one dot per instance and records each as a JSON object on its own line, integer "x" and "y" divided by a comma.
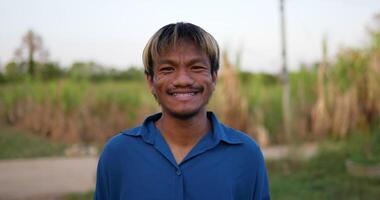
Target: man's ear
{"x": 214, "y": 77}
{"x": 149, "y": 79}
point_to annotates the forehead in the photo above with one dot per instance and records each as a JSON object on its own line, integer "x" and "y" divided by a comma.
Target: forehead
{"x": 182, "y": 46}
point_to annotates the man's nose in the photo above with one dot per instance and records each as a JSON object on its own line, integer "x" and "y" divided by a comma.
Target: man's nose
{"x": 183, "y": 78}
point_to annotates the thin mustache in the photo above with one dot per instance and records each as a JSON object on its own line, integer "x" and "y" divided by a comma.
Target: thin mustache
{"x": 184, "y": 90}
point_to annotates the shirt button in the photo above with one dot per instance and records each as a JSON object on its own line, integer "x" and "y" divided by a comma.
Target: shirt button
{"x": 179, "y": 172}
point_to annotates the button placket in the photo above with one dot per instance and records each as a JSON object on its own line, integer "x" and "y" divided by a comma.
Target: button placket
{"x": 179, "y": 184}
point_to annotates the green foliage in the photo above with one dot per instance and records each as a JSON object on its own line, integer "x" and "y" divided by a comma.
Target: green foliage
{"x": 265, "y": 79}
{"x": 49, "y": 71}
{"x": 364, "y": 148}
{"x": 264, "y": 98}
{"x": 375, "y": 33}
{"x": 264, "y": 93}
{"x": 349, "y": 68}
{"x": 11, "y": 94}
{"x": 79, "y": 196}
{"x": 79, "y": 71}
{"x": 84, "y": 70}
{"x": 323, "y": 177}
{"x": 124, "y": 95}
{"x": 375, "y": 36}
{"x": 95, "y": 72}
{"x": 2, "y": 78}
{"x": 14, "y": 144}
{"x": 132, "y": 73}
{"x": 303, "y": 87}
{"x": 15, "y": 71}
{"x": 71, "y": 95}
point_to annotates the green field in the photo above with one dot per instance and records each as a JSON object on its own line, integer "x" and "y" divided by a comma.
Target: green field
{"x": 16, "y": 144}
{"x": 323, "y": 177}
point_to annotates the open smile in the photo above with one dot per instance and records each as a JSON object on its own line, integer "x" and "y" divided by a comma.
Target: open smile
{"x": 184, "y": 95}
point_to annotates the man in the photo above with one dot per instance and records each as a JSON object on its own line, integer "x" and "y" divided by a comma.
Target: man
{"x": 184, "y": 152}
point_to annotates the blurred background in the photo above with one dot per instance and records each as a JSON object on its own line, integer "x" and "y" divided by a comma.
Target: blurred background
{"x": 302, "y": 79}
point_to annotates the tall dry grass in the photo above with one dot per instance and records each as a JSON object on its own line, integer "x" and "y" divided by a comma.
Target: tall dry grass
{"x": 356, "y": 105}
{"x": 231, "y": 104}
{"x": 319, "y": 113}
{"x": 92, "y": 119}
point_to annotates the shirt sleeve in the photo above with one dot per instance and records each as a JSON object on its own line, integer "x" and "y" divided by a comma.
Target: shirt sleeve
{"x": 262, "y": 186}
{"x": 102, "y": 184}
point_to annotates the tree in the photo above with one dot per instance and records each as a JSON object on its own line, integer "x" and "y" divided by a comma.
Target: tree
{"x": 30, "y": 51}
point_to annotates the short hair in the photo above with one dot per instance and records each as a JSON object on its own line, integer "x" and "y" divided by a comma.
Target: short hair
{"x": 168, "y": 36}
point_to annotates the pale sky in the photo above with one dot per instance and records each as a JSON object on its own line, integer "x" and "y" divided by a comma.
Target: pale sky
{"x": 114, "y": 32}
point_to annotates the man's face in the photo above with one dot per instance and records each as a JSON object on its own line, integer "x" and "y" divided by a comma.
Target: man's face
{"x": 182, "y": 82}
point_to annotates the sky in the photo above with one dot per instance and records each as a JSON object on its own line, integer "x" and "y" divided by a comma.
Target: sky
{"x": 114, "y": 32}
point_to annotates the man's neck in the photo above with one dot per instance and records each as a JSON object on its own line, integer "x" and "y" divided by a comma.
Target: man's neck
{"x": 183, "y": 132}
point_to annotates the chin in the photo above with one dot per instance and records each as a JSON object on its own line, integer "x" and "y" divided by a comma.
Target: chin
{"x": 184, "y": 114}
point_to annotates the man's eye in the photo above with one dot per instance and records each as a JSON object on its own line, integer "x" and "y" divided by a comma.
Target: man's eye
{"x": 198, "y": 68}
{"x": 166, "y": 69}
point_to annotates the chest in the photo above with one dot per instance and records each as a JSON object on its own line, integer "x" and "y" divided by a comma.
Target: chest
{"x": 207, "y": 176}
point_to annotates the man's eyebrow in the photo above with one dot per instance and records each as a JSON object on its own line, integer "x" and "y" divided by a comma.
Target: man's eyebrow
{"x": 191, "y": 62}
{"x": 166, "y": 61}
{"x": 197, "y": 60}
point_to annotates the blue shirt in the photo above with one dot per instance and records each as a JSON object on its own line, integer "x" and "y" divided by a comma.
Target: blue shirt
{"x": 137, "y": 164}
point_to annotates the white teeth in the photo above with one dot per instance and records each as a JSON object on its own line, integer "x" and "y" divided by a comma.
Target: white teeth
{"x": 184, "y": 94}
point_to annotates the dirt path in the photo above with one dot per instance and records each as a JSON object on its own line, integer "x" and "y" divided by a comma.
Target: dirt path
{"x": 46, "y": 178}
{"x": 50, "y": 178}
{"x": 301, "y": 152}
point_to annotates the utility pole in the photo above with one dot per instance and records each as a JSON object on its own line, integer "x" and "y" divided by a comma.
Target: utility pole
{"x": 285, "y": 78}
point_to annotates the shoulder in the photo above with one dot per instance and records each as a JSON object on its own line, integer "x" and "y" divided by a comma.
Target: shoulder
{"x": 245, "y": 143}
{"x": 122, "y": 140}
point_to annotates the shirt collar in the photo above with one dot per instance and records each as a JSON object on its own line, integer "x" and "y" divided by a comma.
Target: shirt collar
{"x": 219, "y": 131}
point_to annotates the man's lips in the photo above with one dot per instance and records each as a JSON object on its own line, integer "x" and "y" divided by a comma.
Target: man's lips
{"x": 184, "y": 91}
{"x": 184, "y": 94}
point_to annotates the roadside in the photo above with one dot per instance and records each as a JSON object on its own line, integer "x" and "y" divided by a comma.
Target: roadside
{"x": 46, "y": 178}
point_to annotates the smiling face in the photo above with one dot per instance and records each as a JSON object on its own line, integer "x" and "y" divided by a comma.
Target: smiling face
{"x": 182, "y": 81}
